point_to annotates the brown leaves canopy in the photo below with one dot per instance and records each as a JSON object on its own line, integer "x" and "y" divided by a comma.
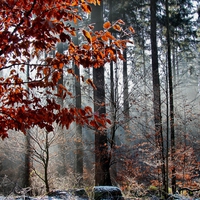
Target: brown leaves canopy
{"x": 31, "y": 28}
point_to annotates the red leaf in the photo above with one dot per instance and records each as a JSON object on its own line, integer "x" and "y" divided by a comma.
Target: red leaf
{"x": 88, "y": 109}
{"x": 64, "y": 37}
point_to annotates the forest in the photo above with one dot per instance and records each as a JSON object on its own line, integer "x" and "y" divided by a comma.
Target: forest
{"x": 100, "y": 93}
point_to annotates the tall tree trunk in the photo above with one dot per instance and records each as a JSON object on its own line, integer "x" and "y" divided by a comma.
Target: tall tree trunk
{"x": 79, "y": 142}
{"x": 61, "y": 169}
{"x": 171, "y": 101}
{"x": 156, "y": 91}
{"x": 167, "y": 131}
{"x": 28, "y": 162}
{"x": 125, "y": 90}
{"x": 46, "y": 162}
{"x": 126, "y": 94}
{"x": 102, "y": 157}
{"x": 144, "y": 79}
{"x": 112, "y": 105}
{"x": 28, "y": 165}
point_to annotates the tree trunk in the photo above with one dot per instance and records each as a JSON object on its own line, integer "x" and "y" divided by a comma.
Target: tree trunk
{"x": 171, "y": 102}
{"x": 79, "y": 142}
{"x": 125, "y": 90}
{"x": 28, "y": 162}
{"x": 156, "y": 92}
{"x": 61, "y": 147}
{"x": 102, "y": 157}
{"x": 46, "y": 163}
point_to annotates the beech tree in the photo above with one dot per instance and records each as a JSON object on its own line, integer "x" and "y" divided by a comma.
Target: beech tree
{"x": 156, "y": 92}
{"x": 30, "y": 29}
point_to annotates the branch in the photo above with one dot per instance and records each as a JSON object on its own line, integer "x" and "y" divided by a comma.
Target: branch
{"x": 39, "y": 175}
{"x": 12, "y": 65}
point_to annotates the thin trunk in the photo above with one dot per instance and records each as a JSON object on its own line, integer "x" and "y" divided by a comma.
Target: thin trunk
{"x": 113, "y": 105}
{"x": 28, "y": 162}
{"x": 60, "y": 50}
{"x": 79, "y": 142}
{"x": 156, "y": 92}
{"x": 46, "y": 164}
{"x": 79, "y": 137}
{"x": 61, "y": 146}
{"x": 167, "y": 131}
{"x": 125, "y": 90}
{"x": 113, "y": 111}
{"x": 171, "y": 101}
{"x": 145, "y": 83}
{"x": 112, "y": 91}
{"x": 28, "y": 165}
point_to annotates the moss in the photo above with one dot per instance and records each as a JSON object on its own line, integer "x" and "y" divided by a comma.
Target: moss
{"x": 153, "y": 188}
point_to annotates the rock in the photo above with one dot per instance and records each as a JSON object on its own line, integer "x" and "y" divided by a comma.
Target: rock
{"x": 59, "y": 194}
{"x": 107, "y": 192}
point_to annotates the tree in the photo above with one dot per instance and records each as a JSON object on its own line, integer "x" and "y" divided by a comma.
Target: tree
{"x": 102, "y": 157}
{"x": 156, "y": 92}
{"x": 40, "y": 144}
{"x": 79, "y": 139}
{"x": 45, "y": 156}
{"x": 171, "y": 100}
{"x": 176, "y": 23}
{"x": 27, "y": 30}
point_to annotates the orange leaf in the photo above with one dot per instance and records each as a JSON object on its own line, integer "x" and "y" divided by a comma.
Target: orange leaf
{"x": 70, "y": 71}
{"x": 117, "y": 43}
{"x": 107, "y": 25}
{"x": 86, "y": 46}
{"x": 104, "y": 38}
{"x": 61, "y": 65}
{"x": 99, "y": 2}
{"x": 117, "y": 27}
{"x": 46, "y": 71}
{"x": 109, "y": 35}
{"x": 131, "y": 29}
{"x": 86, "y": 8}
{"x": 89, "y": 81}
{"x": 55, "y": 77}
{"x": 120, "y": 22}
{"x": 87, "y": 35}
{"x": 91, "y": 1}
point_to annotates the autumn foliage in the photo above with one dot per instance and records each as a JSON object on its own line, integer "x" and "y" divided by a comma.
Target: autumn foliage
{"x": 29, "y": 29}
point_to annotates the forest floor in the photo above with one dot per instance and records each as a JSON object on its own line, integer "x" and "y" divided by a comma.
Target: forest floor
{"x": 76, "y": 198}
